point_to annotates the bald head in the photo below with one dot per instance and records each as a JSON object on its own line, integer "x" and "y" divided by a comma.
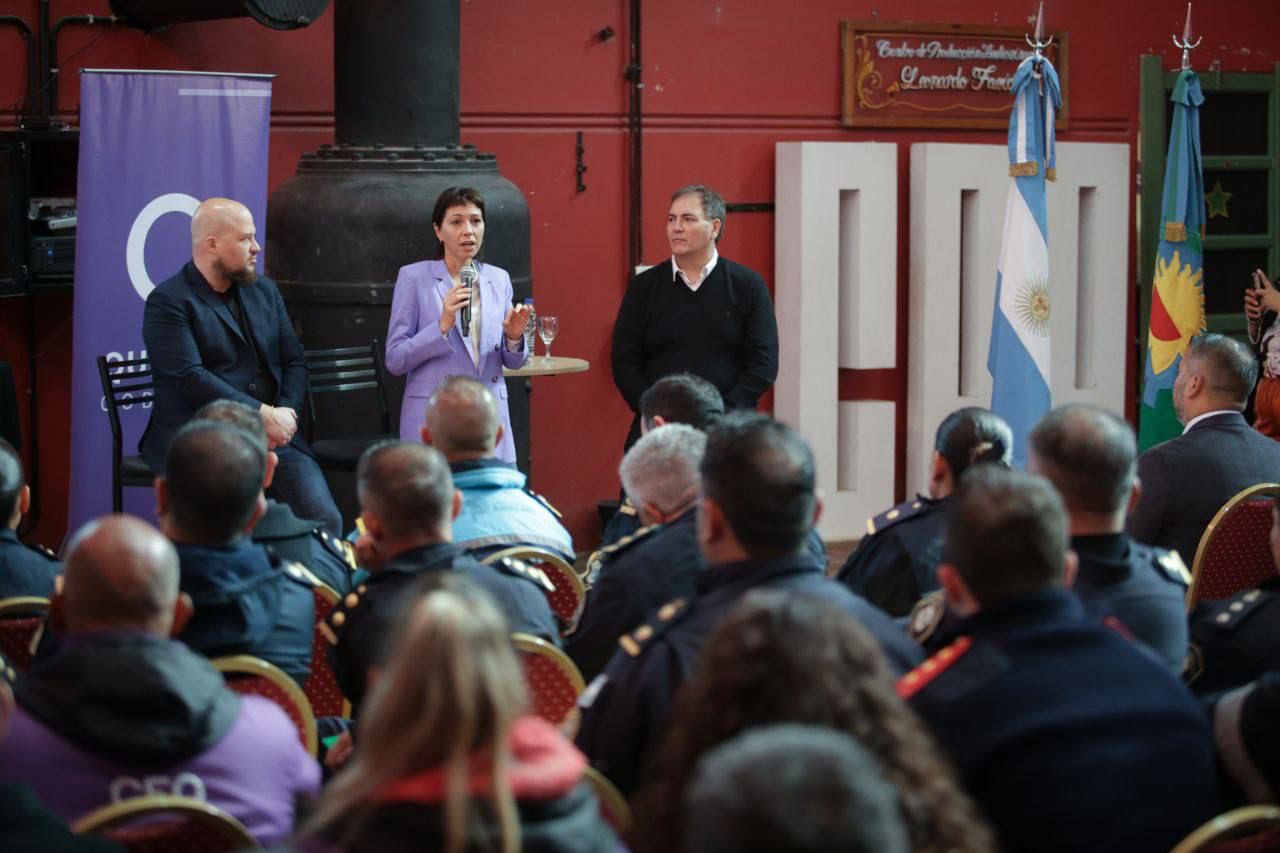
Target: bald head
{"x": 224, "y": 244}
{"x": 462, "y": 419}
{"x": 120, "y": 574}
{"x": 216, "y": 216}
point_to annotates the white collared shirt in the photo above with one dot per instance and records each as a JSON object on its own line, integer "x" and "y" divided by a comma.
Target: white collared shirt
{"x": 677, "y": 273}
{"x": 1198, "y": 418}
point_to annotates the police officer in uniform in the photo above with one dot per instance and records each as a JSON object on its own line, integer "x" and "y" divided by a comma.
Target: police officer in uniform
{"x": 310, "y": 544}
{"x": 892, "y": 567}
{"x": 1067, "y": 735}
{"x": 757, "y": 507}
{"x": 25, "y": 570}
{"x": 1236, "y": 640}
{"x": 408, "y": 502}
{"x": 661, "y": 472}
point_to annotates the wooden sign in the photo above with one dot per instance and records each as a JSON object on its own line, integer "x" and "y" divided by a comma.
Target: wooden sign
{"x": 903, "y": 74}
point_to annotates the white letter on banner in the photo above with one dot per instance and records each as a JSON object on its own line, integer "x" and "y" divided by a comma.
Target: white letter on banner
{"x": 135, "y": 250}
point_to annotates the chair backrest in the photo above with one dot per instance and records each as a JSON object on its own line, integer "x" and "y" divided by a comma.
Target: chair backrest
{"x": 251, "y": 676}
{"x": 343, "y": 370}
{"x": 1251, "y": 829}
{"x": 127, "y": 382}
{"x": 553, "y": 680}
{"x": 20, "y": 621}
{"x": 321, "y": 686}
{"x": 161, "y": 823}
{"x": 569, "y": 594}
{"x": 613, "y": 806}
{"x": 1235, "y": 549}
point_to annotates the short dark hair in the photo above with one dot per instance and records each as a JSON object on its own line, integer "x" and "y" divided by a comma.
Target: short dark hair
{"x": 1007, "y": 533}
{"x": 682, "y": 398}
{"x": 465, "y": 418}
{"x": 408, "y": 485}
{"x": 749, "y": 794}
{"x": 760, "y": 473}
{"x": 1229, "y": 366}
{"x": 234, "y": 414}
{"x": 454, "y": 197}
{"x": 713, "y": 206}
{"x": 973, "y": 435}
{"x": 214, "y": 475}
{"x": 1089, "y": 454}
{"x": 11, "y": 480}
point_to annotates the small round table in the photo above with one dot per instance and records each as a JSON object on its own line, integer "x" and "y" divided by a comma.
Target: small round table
{"x": 539, "y": 366}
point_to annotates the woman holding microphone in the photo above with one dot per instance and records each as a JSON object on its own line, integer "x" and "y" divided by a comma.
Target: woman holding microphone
{"x": 453, "y": 316}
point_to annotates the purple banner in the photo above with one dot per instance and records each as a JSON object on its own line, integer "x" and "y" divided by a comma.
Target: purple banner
{"x": 152, "y": 145}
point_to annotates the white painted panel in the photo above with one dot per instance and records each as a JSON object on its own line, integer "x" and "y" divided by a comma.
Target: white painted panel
{"x": 836, "y": 299}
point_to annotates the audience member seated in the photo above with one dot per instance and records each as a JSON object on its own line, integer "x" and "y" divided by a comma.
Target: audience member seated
{"x": 1186, "y": 480}
{"x": 408, "y": 503}
{"x": 121, "y": 710}
{"x": 782, "y": 658}
{"x": 680, "y": 398}
{"x": 660, "y": 472}
{"x": 307, "y": 543}
{"x": 1244, "y": 727}
{"x": 1236, "y": 640}
{"x": 498, "y": 509}
{"x": 1088, "y": 455}
{"x": 24, "y": 570}
{"x": 801, "y": 789}
{"x": 757, "y": 507}
{"x": 446, "y": 757}
{"x": 247, "y": 600}
{"x": 1067, "y": 735}
{"x": 893, "y": 565}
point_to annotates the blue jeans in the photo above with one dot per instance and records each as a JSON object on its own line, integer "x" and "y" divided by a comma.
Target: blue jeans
{"x": 300, "y": 484}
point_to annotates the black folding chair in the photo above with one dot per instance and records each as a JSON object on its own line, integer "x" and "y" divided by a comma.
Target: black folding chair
{"x": 125, "y": 383}
{"x": 343, "y": 371}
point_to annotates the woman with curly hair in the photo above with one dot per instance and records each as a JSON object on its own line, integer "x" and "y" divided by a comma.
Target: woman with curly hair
{"x": 446, "y": 758}
{"x": 779, "y": 658}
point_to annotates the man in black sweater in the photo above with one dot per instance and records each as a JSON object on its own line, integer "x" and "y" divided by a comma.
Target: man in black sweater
{"x": 701, "y": 313}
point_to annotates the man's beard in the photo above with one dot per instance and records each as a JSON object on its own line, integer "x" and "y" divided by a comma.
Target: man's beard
{"x": 243, "y": 275}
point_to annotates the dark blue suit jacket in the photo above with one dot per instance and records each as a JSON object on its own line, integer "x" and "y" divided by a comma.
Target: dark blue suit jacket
{"x": 199, "y": 354}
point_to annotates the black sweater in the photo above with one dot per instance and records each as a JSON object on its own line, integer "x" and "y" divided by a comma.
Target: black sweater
{"x": 724, "y": 332}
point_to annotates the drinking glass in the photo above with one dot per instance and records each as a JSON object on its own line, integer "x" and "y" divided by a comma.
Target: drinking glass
{"x": 547, "y": 328}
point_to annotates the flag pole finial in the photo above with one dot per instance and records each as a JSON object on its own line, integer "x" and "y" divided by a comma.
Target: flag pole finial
{"x": 1186, "y": 44}
{"x": 1038, "y": 43}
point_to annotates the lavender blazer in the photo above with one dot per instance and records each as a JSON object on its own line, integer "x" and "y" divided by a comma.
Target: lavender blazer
{"x": 416, "y": 347}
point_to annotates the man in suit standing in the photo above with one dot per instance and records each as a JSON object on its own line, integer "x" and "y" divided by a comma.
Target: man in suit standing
{"x": 217, "y": 330}
{"x": 1186, "y": 480}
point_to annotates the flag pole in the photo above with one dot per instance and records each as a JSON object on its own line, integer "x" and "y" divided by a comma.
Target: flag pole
{"x": 1186, "y": 44}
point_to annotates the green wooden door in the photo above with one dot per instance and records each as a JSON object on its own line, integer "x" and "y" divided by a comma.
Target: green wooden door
{"x": 1240, "y": 144}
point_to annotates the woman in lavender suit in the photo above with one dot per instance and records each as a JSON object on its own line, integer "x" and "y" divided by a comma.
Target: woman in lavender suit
{"x": 425, "y": 339}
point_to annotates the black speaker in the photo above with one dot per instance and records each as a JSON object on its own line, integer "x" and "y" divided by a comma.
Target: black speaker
{"x": 277, "y": 14}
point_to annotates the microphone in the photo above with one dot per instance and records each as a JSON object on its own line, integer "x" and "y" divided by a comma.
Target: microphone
{"x": 468, "y": 276}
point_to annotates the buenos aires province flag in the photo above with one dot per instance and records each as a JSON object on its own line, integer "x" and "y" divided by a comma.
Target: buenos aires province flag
{"x": 1019, "y": 355}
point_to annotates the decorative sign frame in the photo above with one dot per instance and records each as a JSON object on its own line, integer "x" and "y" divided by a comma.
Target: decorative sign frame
{"x": 908, "y": 74}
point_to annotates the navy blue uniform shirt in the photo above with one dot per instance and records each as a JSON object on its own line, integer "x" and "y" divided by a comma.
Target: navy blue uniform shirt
{"x": 24, "y": 570}
{"x": 893, "y": 565}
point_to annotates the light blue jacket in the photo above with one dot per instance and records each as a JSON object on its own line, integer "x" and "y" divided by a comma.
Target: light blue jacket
{"x": 498, "y": 512}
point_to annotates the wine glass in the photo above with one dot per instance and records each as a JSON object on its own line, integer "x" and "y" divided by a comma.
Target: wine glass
{"x": 547, "y": 328}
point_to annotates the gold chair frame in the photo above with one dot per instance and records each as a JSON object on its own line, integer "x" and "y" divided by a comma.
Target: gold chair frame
{"x": 250, "y": 665}
{"x": 530, "y": 553}
{"x": 23, "y": 605}
{"x": 109, "y": 817}
{"x": 330, "y": 595}
{"x": 1197, "y": 566}
{"x": 1212, "y": 832}
{"x": 611, "y": 799}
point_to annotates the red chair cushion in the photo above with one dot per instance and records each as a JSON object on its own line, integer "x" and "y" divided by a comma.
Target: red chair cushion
{"x": 173, "y": 836}
{"x": 552, "y": 693}
{"x": 321, "y": 686}
{"x": 1238, "y": 555}
{"x": 15, "y": 639}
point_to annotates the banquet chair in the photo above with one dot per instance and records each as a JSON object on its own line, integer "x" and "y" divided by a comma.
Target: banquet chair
{"x": 21, "y": 619}
{"x": 569, "y": 594}
{"x": 553, "y": 680}
{"x": 251, "y": 676}
{"x": 1251, "y": 829}
{"x": 1235, "y": 549}
{"x": 346, "y": 370}
{"x": 321, "y": 686}
{"x": 613, "y": 806}
{"x": 166, "y": 824}
{"x": 125, "y": 383}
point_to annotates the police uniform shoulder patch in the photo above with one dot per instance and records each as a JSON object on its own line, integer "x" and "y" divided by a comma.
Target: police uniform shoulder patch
{"x": 920, "y": 677}
{"x": 1227, "y": 615}
{"x": 901, "y": 512}
{"x": 627, "y": 507}
{"x": 926, "y": 616}
{"x": 47, "y": 553}
{"x": 666, "y": 615}
{"x": 520, "y": 568}
{"x": 1171, "y": 563}
{"x": 301, "y": 574}
{"x": 339, "y": 548}
{"x": 331, "y": 627}
{"x": 597, "y": 558}
{"x": 546, "y": 503}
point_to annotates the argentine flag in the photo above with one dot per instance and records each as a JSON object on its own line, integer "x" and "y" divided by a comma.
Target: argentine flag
{"x": 1019, "y": 356}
